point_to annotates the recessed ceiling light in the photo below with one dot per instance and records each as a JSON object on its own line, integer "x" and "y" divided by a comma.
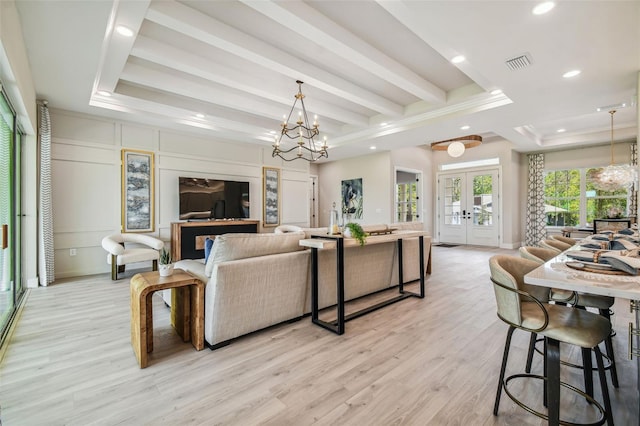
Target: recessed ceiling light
{"x": 496, "y": 92}
{"x": 384, "y": 124}
{"x": 372, "y": 147}
{"x": 571, "y": 73}
{"x": 122, "y": 30}
{"x": 465, "y": 127}
{"x": 200, "y": 115}
{"x": 543, "y": 8}
{"x": 103, "y": 93}
{"x": 458, "y": 59}
{"x": 561, "y": 130}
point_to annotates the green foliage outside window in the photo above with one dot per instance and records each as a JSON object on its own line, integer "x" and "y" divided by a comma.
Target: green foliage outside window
{"x": 564, "y": 196}
{"x": 482, "y": 204}
{"x": 407, "y": 206}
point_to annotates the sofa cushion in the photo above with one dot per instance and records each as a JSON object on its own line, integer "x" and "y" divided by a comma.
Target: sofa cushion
{"x": 241, "y": 246}
{"x": 208, "y": 245}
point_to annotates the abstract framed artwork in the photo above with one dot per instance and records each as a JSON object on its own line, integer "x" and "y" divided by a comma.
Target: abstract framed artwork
{"x": 352, "y": 199}
{"x": 270, "y": 196}
{"x": 137, "y": 191}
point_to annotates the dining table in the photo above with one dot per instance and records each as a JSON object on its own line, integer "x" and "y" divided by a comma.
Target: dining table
{"x": 555, "y": 273}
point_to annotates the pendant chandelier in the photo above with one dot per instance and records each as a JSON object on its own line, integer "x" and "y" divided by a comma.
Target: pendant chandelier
{"x": 306, "y": 147}
{"x": 614, "y": 177}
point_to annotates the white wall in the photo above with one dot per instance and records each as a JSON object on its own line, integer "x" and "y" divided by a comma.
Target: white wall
{"x": 593, "y": 156}
{"x": 378, "y": 176}
{"x": 86, "y": 176}
{"x": 377, "y": 184}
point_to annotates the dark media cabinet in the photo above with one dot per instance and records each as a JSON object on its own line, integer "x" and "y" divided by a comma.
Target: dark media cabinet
{"x": 187, "y": 238}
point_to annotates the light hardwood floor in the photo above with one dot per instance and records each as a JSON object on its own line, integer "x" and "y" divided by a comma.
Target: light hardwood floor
{"x": 418, "y": 362}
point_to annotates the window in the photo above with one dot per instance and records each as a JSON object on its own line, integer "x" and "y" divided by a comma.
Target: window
{"x": 407, "y": 206}
{"x": 407, "y": 196}
{"x": 572, "y": 200}
{"x": 602, "y": 204}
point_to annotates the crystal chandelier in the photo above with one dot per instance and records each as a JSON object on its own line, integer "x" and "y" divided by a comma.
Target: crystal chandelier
{"x": 306, "y": 147}
{"x": 614, "y": 177}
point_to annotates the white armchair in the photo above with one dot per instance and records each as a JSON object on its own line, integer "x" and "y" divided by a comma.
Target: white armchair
{"x": 121, "y": 255}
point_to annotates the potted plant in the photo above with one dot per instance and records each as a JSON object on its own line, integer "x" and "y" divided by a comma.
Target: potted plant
{"x": 354, "y": 230}
{"x": 165, "y": 267}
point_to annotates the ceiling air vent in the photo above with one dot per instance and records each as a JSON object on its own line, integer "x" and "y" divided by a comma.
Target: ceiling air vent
{"x": 519, "y": 62}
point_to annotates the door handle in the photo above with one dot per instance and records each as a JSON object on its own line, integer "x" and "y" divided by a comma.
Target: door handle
{"x": 5, "y": 236}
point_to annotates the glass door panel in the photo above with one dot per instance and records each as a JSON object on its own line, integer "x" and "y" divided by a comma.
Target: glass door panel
{"x": 468, "y": 208}
{"x": 483, "y": 230}
{"x": 8, "y": 187}
{"x": 452, "y": 190}
{"x": 452, "y": 208}
{"x": 6, "y": 216}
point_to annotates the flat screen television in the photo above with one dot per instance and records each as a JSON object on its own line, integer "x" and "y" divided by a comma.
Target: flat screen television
{"x": 213, "y": 199}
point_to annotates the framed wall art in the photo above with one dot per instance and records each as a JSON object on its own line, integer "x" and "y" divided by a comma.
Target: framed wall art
{"x": 270, "y": 196}
{"x": 352, "y": 199}
{"x": 137, "y": 191}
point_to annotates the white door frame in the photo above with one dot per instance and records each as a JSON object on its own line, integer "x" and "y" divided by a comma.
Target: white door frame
{"x": 313, "y": 201}
{"x": 498, "y": 218}
{"x": 419, "y": 190}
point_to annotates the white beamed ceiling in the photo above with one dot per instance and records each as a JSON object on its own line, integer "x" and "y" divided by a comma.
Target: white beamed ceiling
{"x": 363, "y": 63}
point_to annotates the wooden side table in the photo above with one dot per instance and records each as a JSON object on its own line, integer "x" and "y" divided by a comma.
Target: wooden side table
{"x": 187, "y": 310}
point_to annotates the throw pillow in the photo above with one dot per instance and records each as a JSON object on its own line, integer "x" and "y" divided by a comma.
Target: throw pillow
{"x": 208, "y": 244}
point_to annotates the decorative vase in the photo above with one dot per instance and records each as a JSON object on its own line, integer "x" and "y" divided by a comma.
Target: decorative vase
{"x": 333, "y": 221}
{"x": 165, "y": 270}
{"x": 346, "y": 232}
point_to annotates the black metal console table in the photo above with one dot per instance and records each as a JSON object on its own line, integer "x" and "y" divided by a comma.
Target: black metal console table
{"x": 338, "y": 242}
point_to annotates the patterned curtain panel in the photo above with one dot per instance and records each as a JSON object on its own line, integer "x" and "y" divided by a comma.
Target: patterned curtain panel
{"x": 535, "y": 201}
{"x": 45, "y": 231}
{"x": 633, "y": 201}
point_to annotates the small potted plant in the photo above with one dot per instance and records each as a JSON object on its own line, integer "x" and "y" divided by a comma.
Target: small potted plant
{"x": 165, "y": 267}
{"x": 354, "y": 230}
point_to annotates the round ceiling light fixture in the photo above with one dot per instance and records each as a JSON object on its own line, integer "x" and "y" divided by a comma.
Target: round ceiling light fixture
{"x": 457, "y": 146}
{"x": 543, "y": 8}
{"x": 455, "y": 149}
{"x": 124, "y": 31}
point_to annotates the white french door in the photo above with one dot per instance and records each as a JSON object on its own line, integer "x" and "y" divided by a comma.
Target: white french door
{"x": 468, "y": 208}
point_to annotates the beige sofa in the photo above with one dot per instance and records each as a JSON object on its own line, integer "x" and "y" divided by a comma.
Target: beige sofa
{"x": 253, "y": 281}
{"x": 258, "y": 280}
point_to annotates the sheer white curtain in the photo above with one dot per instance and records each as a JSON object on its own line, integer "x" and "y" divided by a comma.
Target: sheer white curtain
{"x": 536, "y": 221}
{"x": 45, "y": 219}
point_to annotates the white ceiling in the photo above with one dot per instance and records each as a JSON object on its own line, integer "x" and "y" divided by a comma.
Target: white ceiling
{"x": 363, "y": 62}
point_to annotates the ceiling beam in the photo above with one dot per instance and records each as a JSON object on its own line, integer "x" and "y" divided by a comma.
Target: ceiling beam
{"x": 199, "y": 66}
{"x": 409, "y": 14}
{"x": 188, "y": 21}
{"x": 314, "y": 26}
{"x": 171, "y": 83}
{"x": 116, "y": 47}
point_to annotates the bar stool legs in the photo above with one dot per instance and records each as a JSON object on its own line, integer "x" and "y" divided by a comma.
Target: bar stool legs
{"x": 551, "y": 392}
